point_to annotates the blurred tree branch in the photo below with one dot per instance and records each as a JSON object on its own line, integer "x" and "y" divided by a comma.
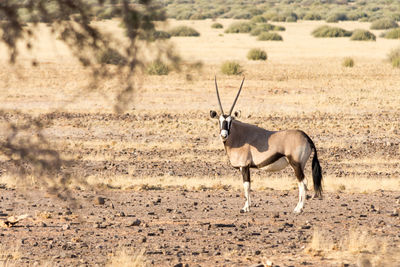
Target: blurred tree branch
{"x": 71, "y": 21}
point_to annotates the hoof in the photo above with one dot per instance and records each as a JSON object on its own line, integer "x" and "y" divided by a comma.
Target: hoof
{"x": 297, "y": 211}
{"x": 244, "y": 210}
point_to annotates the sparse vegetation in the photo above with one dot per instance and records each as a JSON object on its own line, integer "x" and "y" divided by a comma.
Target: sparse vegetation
{"x": 157, "y": 67}
{"x": 362, "y": 35}
{"x": 383, "y": 24}
{"x": 183, "y": 31}
{"x": 336, "y": 17}
{"x": 110, "y": 56}
{"x": 217, "y": 25}
{"x": 269, "y": 36}
{"x": 231, "y": 68}
{"x": 348, "y": 62}
{"x": 239, "y": 27}
{"x": 329, "y": 32}
{"x": 257, "y": 54}
{"x": 394, "y": 57}
{"x": 392, "y": 34}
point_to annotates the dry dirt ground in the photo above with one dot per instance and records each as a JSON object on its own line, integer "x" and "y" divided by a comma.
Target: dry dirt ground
{"x": 201, "y": 228}
{"x": 169, "y": 193}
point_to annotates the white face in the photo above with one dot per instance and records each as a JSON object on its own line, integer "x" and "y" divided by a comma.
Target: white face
{"x": 225, "y": 126}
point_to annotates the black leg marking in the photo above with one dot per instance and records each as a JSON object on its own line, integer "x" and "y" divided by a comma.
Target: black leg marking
{"x": 245, "y": 174}
{"x": 270, "y": 160}
{"x": 298, "y": 171}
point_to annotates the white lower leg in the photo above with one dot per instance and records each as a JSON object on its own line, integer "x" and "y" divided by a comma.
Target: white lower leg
{"x": 302, "y": 197}
{"x": 246, "y": 187}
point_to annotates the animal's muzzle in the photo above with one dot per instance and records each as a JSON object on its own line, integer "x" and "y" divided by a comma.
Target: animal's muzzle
{"x": 224, "y": 134}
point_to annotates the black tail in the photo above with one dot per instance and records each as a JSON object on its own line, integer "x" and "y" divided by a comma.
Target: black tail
{"x": 316, "y": 170}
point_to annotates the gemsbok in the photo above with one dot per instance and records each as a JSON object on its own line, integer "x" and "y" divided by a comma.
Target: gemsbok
{"x": 249, "y": 146}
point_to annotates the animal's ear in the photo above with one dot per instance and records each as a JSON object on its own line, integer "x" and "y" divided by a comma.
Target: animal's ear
{"x": 237, "y": 113}
{"x": 213, "y": 114}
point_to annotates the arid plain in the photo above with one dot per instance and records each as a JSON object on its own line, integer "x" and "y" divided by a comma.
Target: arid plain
{"x": 170, "y": 194}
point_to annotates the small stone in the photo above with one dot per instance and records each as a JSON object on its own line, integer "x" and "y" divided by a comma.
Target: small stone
{"x": 42, "y": 224}
{"x": 396, "y": 212}
{"x": 66, "y": 227}
{"x": 136, "y": 222}
{"x": 99, "y": 200}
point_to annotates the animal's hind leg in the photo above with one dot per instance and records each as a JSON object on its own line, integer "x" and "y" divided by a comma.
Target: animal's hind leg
{"x": 246, "y": 186}
{"x": 298, "y": 170}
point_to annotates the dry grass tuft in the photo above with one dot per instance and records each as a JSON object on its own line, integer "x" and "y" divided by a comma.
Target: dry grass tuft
{"x": 358, "y": 247}
{"x": 128, "y": 258}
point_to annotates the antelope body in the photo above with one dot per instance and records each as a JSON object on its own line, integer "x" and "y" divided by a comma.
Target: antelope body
{"x": 249, "y": 146}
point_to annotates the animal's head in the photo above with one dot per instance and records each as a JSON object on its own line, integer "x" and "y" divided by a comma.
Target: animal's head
{"x": 225, "y": 120}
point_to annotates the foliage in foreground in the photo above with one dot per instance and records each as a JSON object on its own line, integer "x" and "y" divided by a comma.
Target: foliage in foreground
{"x": 231, "y": 68}
{"x": 326, "y": 31}
{"x": 257, "y": 54}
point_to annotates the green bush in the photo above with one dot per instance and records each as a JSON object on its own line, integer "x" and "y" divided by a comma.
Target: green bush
{"x": 269, "y": 36}
{"x": 110, "y": 56}
{"x": 154, "y": 35}
{"x": 231, "y": 68}
{"x": 348, "y": 62}
{"x": 362, "y": 35}
{"x": 383, "y": 24}
{"x": 257, "y": 54}
{"x": 335, "y": 17}
{"x": 183, "y": 31}
{"x": 392, "y": 34}
{"x": 329, "y": 32}
{"x": 258, "y": 19}
{"x": 239, "y": 27}
{"x": 394, "y": 57}
{"x": 217, "y": 25}
{"x": 312, "y": 16}
{"x": 157, "y": 67}
{"x": 265, "y": 27}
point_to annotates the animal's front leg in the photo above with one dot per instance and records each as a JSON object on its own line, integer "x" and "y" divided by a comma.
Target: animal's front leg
{"x": 246, "y": 186}
{"x": 302, "y": 197}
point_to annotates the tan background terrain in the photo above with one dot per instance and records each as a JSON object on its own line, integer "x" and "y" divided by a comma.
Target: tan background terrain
{"x": 167, "y": 141}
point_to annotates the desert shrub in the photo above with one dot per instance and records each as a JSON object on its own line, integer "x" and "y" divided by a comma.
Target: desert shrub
{"x": 257, "y": 54}
{"x": 242, "y": 14}
{"x": 348, "y": 62}
{"x": 279, "y": 18}
{"x": 110, "y": 56}
{"x": 394, "y": 57}
{"x": 154, "y": 35}
{"x": 392, "y": 34}
{"x": 383, "y": 24}
{"x": 157, "y": 67}
{"x": 335, "y": 17}
{"x": 312, "y": 16}
{"x": 198, "y": 16}
{"x": 217, "y": 25}
{"x": 362, "y": 35}
{"x": 356, "y": 15}
{"x": 184, "y": 15}
{"x": 396, "y": 62}
{"x": 239, "y": 27}
{"x": 269, "y": 36}
{"x": 258, "y": 19}
{"x": 183, "y": 31}
{"x": 328, "y": 32}
{"x": 231, "y": 68}
{"x": 290, "y": 17}
{"x": 265, "y": 27}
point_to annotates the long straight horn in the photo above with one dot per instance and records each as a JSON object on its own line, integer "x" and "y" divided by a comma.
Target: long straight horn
{"x": 234, "y": 102}
{"x": 219, "y": 100}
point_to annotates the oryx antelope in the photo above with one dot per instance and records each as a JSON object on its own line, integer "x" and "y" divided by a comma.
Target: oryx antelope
{"x": 249, "y": 146}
